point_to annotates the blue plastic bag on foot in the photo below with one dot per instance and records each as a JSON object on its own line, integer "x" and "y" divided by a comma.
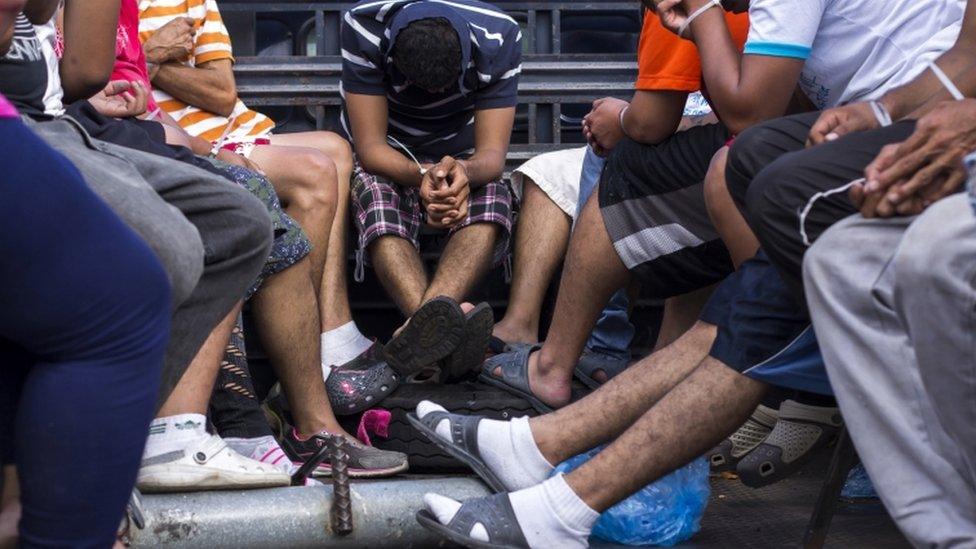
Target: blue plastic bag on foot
{"x": 664, "y": 513}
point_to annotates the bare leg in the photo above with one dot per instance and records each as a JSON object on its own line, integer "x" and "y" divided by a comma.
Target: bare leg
{"x": 192, "y": 394}
{"x": 288, "y": 323}
{"x": 333, "y": 294}
{"x": 605, "y": 413}
{"x": 705, "y": 407}
{"x": 738, "y": 237}
{"x": 398, "y": 266}
{"x": 305, "y": 180}
{"x": 9, "y": 508}
{"x": 593, "y": 272}
{"x": 466, "y": 258}
{"x": 540, "y": 244}
{"x": 680, "y": 314}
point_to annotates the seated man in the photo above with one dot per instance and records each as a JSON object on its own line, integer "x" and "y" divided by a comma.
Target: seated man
{"x": 83, "y": 330}
{"x": 895, "y": 298}
{"x": 223, "y": 229}
{"x": 674, "y": 405}
{"x": 654, "y": 170}
{"x": 438, "y": 81}
{"x": 554, "y": 186}
{"x": 886, "y": 298}
{"x": 283, "y": 300}
{"x": 190, "y": 69}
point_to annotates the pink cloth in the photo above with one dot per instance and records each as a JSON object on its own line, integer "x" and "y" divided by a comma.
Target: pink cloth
{"x": 9, "y": 111}
{"x": 375, "y": 421}
{"x": 130, "y": 60}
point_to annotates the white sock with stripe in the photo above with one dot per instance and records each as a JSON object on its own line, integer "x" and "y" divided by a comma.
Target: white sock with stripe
{"x": 172, "y": 433}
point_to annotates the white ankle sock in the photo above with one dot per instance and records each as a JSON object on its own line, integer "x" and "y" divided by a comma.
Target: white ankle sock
{"x": 550, "y": 515}
{"x": 342, "y": 344}
{"x": 172, "y": 433}
{"x": 264, "y": 449}
{"x": 507, "y": 448}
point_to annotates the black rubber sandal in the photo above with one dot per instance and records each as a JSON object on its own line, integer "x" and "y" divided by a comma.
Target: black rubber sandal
{"x": 495, "y": 513}
{"x": 463, "y": 445}
{"x": 470, "y": 354}
{"x": 591, "y": 363}
{"x": 432, "y": 333}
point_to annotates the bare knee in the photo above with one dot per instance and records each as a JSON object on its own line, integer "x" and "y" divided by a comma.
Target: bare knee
{"x": 315, "y": 187}
{"x": 339, "y": 150}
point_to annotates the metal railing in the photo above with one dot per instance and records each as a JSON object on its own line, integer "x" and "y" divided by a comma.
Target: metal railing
{"x": 550, "y": 78}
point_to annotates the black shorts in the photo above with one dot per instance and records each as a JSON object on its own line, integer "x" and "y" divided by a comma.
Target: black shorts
{"x": 653, "y": 204}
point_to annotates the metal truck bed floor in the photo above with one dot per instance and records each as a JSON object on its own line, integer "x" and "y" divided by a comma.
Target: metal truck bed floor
{"x": 776, "y": 516}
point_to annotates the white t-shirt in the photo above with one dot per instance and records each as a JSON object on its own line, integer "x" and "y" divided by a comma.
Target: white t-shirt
{"x": 854, "y": 50}
{"x": 48, "y": 36}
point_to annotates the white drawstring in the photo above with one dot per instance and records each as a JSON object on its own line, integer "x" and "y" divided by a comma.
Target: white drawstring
{"x": 814, "y": 199}
{"x": 396, "y": 141}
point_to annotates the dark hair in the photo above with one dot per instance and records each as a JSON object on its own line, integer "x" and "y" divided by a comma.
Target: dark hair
{"x": 428, "y": 53}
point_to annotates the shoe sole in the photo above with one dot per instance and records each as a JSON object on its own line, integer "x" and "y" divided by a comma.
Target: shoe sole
{"x": 470, "y": 354}
{"x": 326, "y": 472}
{"x": 434, "y": 332}
{"x": 186, "y": 479}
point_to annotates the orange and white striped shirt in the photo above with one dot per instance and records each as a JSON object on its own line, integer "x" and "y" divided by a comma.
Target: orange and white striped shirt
{"x": 211, "y": 42}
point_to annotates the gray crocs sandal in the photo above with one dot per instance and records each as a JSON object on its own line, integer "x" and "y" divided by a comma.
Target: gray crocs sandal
{"x": 515, "y": 375}
{"x": 495, "y": 513}
{"x": 470, "y": 353}
{"x": 726, "y": 455}
{"x": 592, "y": 362}
{"x": 800, "y": 430}
{"x": 434, "y": 331}
{"x": 463, "y": 445}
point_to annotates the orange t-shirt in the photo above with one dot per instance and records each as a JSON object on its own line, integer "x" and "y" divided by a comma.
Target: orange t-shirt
{"x": 666, "y": 62}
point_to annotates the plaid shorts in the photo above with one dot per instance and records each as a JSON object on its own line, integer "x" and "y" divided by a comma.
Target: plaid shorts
{"x": 290, "y": 245}
{"x": 384, "y": 208}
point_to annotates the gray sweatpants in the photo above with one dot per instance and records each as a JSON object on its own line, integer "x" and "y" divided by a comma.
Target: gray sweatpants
{"x": 894, "y": 308}
{"x": 210, "y": 235}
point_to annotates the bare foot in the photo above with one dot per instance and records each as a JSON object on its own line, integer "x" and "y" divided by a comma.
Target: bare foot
{"x": 9, "y": 518}
{"x": 548, "y": 385}
{"x": 509, "y": 332}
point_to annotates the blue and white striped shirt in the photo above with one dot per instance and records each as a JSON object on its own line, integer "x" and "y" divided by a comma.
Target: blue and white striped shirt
{"x": 432, "y": 124}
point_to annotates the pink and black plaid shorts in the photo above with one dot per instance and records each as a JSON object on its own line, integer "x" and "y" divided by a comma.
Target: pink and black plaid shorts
{"x": 382, "y": 207}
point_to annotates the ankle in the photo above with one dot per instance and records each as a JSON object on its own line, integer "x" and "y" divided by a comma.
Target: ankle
{"x": 517, "y": 329}
{"x": 311, "y": 428}
{"x": 549, "y": 366}
{"x": 547, "y": 439}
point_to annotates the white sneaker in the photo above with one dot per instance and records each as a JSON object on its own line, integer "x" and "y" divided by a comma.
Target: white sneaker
{"x": 207, "y": 465}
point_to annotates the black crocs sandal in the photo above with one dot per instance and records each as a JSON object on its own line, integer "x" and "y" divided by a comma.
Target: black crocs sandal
{"x": 361, "y": 383}
{"x": 495, "y": 513}
{"x": 515, "y": 375}
{"x": 463, "y": 445}
{"x": 432, "y": 333}
{"x": 470, "y": 353}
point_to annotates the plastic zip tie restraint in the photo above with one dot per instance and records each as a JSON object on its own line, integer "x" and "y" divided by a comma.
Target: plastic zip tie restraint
{"x": 423, "y": 171}
{"x": 946, "y": 82}
{"x": 813, "y": 200}
{"x": 694, "y": 15}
